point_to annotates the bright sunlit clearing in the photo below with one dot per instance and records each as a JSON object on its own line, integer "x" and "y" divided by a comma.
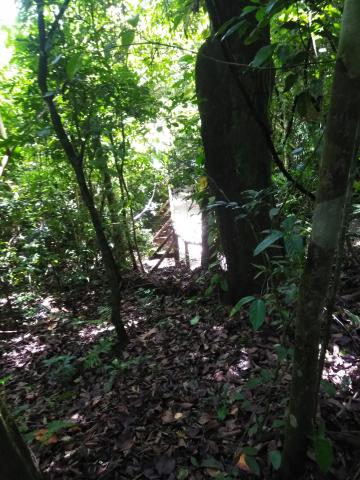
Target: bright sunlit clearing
{"x": 8, "y": 12}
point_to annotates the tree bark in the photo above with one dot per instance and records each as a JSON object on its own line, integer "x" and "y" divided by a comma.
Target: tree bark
{"x": 340, "y": 145}
{"x": 117, "y": 227}
{"x": 16, "y": 462}
{"x": 237, "y": 157}
{"x": 76, "y": 161}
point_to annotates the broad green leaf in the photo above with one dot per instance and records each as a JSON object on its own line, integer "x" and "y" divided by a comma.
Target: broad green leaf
{"x": 257, "y": 313}
{"x": 182, "y": 474}
{"x": 355, "y": 319}
{"x": 73, "y": 65}
{"x": 239, "y": 28}
{"x": 329, "y": 388}
{"x": 324, "y": 455}
{"x": 240, "y": 304}
{"x": 212, "y": 463}
{"x": 273, "y": 212}
{"x": 195, "y": 320}
{"x": 269, "y": 240}
{"x": 186, "y": 58}
{"x": 253, "y": 464}
{"x": 271, "y": 5}
{"x": 278, "y": 423}
{"x": 275, "y": 459}
{"x": 263, "y": 56}
{"x": 127, "y": 37}
{"x": 250, "y": 451}
{"x": 294, "y": 245}
{"x": 134, "y": 21}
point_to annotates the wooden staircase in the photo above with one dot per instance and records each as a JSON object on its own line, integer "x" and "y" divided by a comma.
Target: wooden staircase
{"x": 165, "y": 240}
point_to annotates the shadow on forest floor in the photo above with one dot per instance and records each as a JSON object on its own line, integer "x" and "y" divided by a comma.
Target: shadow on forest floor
{"x": 194, "y": 388}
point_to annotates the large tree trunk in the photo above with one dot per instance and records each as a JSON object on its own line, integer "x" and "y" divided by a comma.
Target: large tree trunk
{"x": 16, "y": 462}
{"x": 340, "y": 146}
{"x": 237, "y": 157}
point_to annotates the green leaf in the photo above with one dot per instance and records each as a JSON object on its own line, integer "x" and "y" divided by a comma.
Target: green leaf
{"x": 239, "y": 28}
{"x": 294, "y": 245}
{"x": 278, "y": 423}
{"x": 275, "y": 459}
{"x": 73, "y": 65}
{"x": 250, "y": 451}
{"x": 212, "y": 463}
{"x": 257, "y": 313}
{"x": 240, "y": 304}
{"x": 263, "y": 56}
{"x": 324, "y": 455}
{"x": 222, "y": 412}
{"x": 247, "y": 10}
{"x": 133, "y": 21}
{"x": 186, "y": 58}
{"x": 271, "y": 5}
{"x": 253, "y": 464}
{"x": 329, "y": 388}
{"x": 182, "y": 474}
{"x": 195, "y": 320}
{"x": 127, "y": 37}
{"x": 355, "y": 319}
{"x": 269, "y": 240}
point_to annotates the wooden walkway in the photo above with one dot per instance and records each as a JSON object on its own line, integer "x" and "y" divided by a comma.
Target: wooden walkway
{"x": 179, "y": 236}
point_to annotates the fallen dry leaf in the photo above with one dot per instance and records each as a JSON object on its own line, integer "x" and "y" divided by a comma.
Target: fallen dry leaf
{"x": 242, "y": 463}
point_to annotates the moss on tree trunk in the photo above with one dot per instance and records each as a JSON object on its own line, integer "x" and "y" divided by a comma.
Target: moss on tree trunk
{"x": 341, "y": 141}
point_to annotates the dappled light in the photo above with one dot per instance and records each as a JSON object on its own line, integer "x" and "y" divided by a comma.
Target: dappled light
{"x": 180, "y": 240}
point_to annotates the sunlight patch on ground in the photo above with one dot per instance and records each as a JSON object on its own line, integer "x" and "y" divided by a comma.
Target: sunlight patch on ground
{"x": 91, "y": 332}
{"x": 23, "y": 355}
{"x": 340, "y": 368}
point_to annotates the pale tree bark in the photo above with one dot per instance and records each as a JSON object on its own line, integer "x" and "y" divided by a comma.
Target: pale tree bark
{"x": 340, "y": 143}
{"x": 16, "y": 462}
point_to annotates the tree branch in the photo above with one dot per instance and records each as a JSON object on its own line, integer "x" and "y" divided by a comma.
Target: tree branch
{"x": 58, "y": 17}
{"x": 48, "y": 96}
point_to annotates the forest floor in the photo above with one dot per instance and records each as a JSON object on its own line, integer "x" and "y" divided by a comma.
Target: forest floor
{"x": 193, "y": 393}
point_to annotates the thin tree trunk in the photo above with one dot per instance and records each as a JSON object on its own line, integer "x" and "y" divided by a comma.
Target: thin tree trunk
{"x": 76, "y": 161}
{"x": 16, "y": 462}
{"x": 125, "y": 194}
{"x": 117, "y": 229}
{"x": 205, "y": 247}
{"x": 340, "y": 141}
